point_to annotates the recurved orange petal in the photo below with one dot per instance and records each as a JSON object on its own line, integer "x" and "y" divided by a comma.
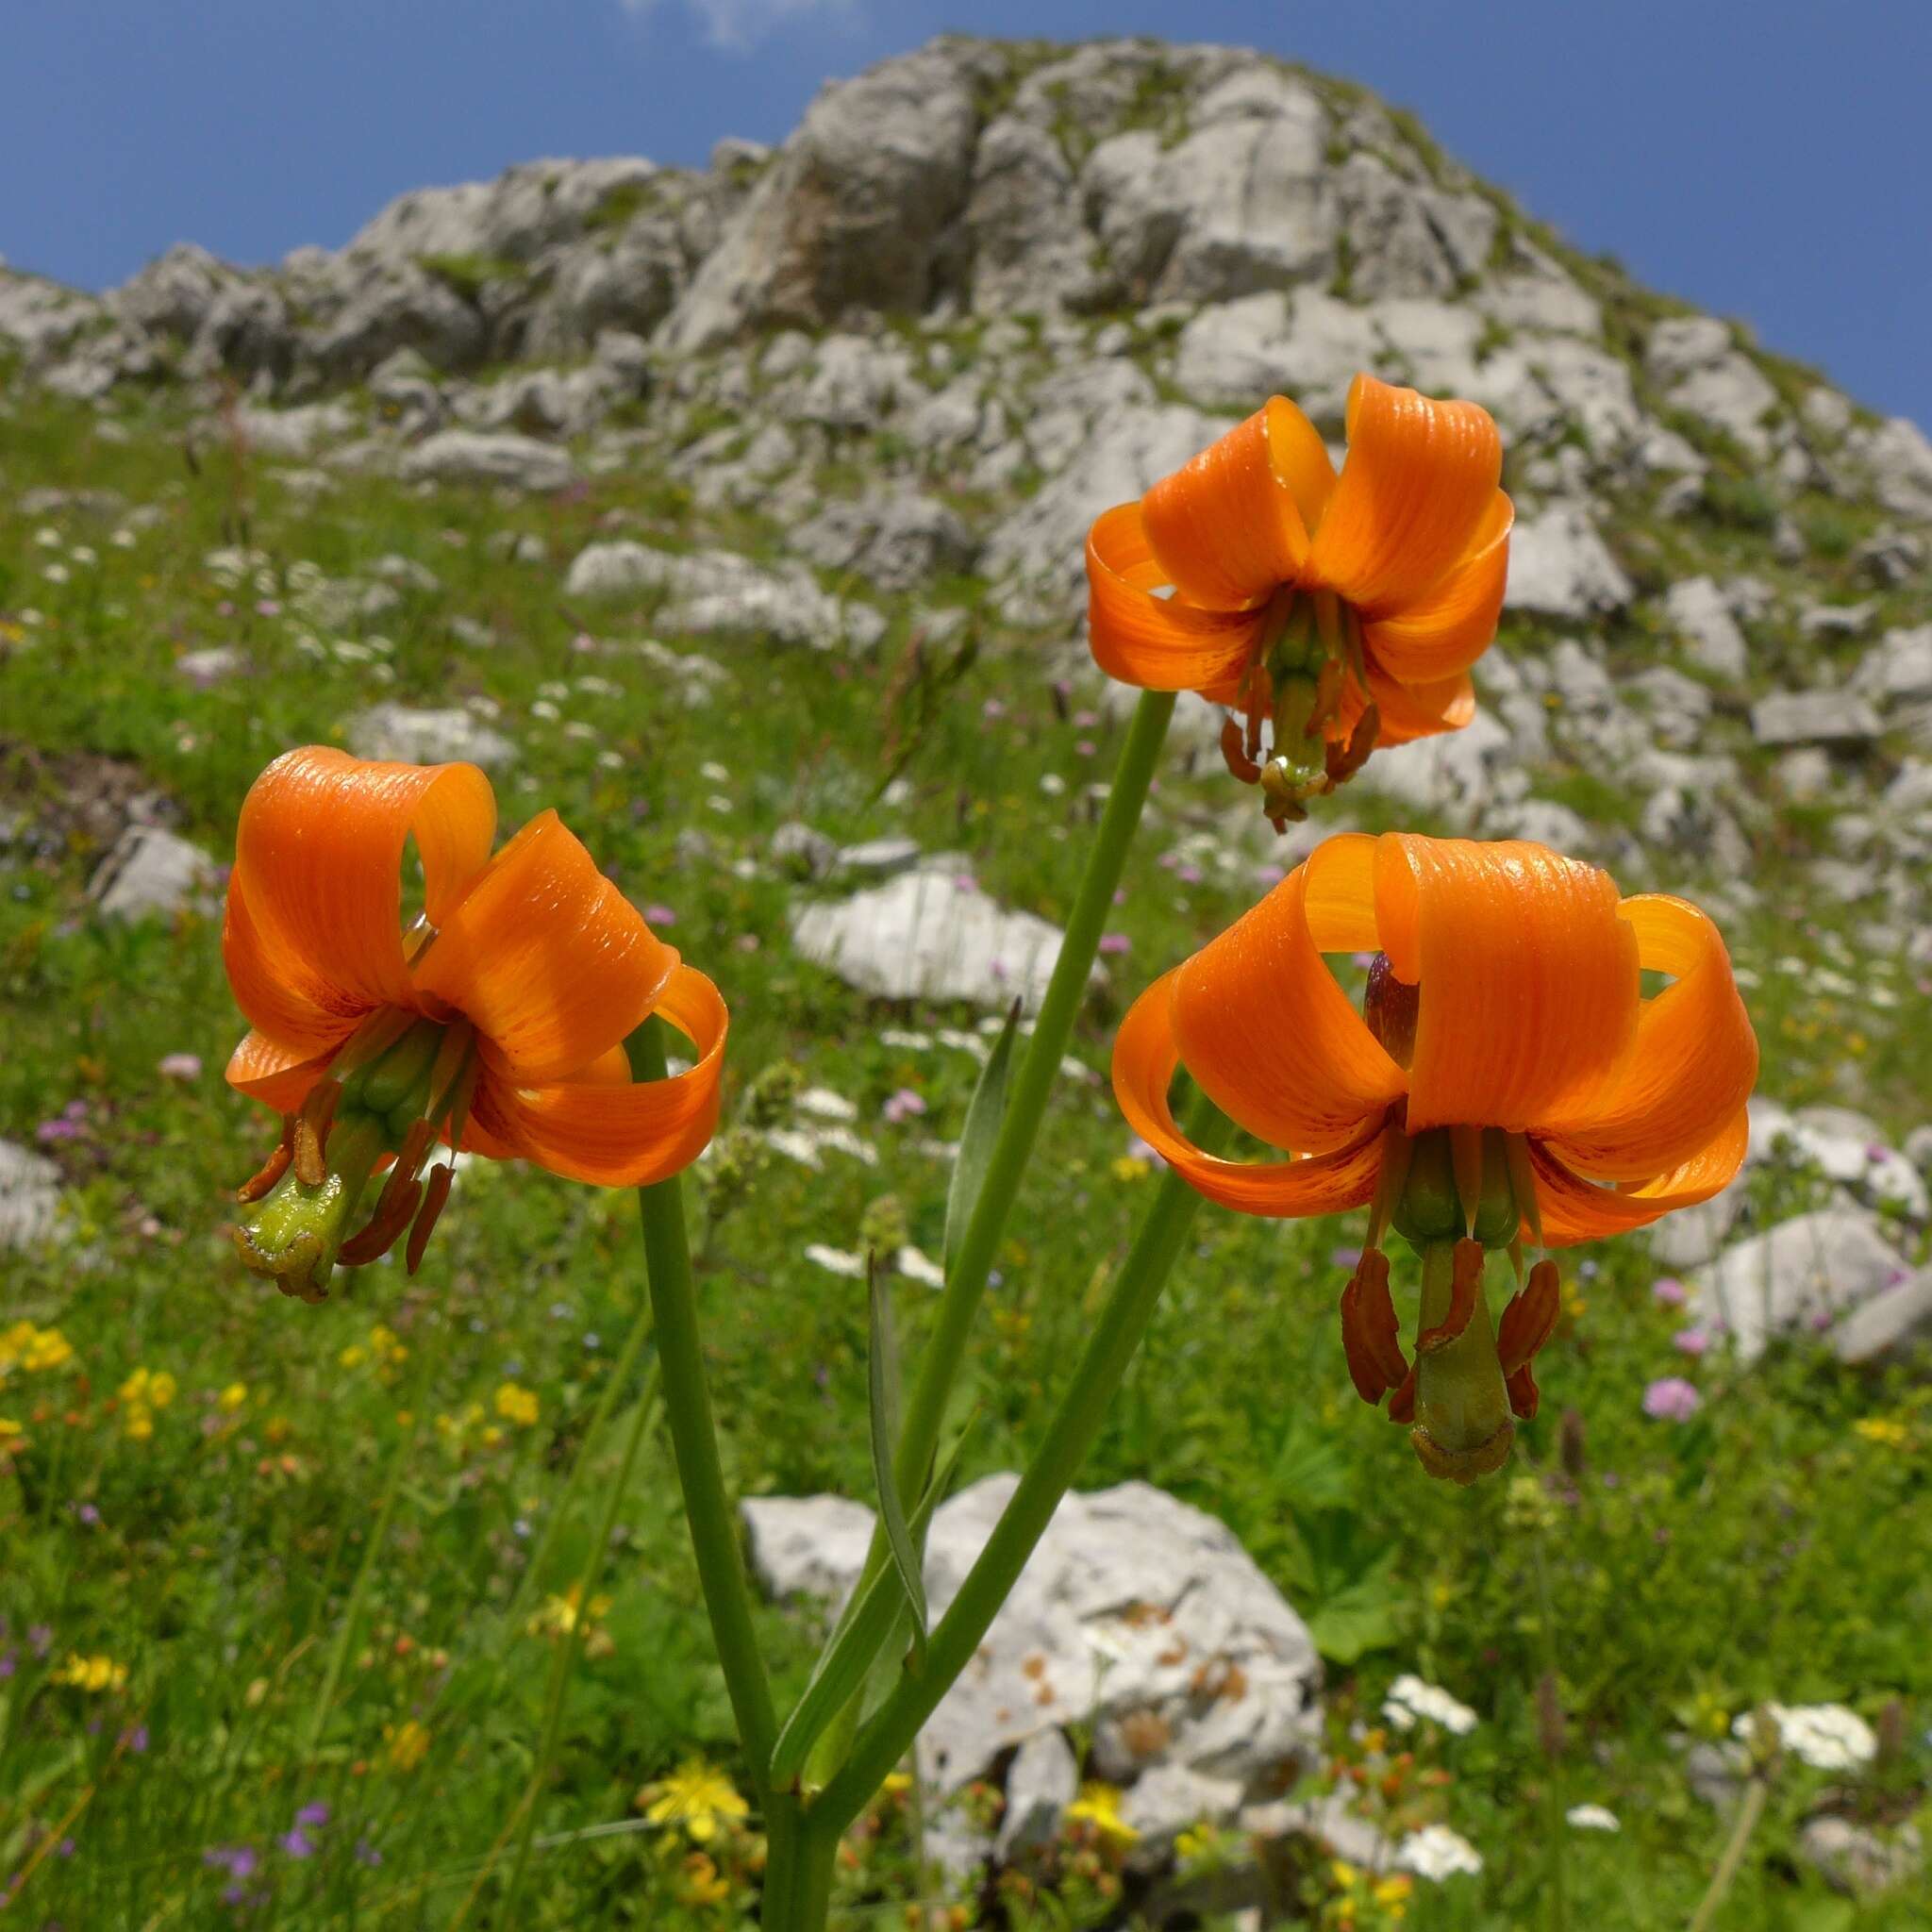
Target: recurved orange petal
{"x": 1158, "y": 643}
{"x": 1452, "y": 624}
{"x": 1528, "y": 977}
{"x": 1226, "y": 527}
{"x": 547, "y": 959}
{"x": 1261, "y": 1025}
{"x": 1419, "y": 480}
{"x": 1408, "y": 711}
{"x": 1694, "y": 1063}
{"x": 1574, "y": 1210}
{"x": 619, "y": 1133}
{"x": 1145, "y": 1060}
{"x": 318, "y": 856}
{"x": 278, "y": 1076}
{"x": 279, "y": 993}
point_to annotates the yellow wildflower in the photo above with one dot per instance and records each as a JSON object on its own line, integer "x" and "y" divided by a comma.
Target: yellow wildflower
{"x": 1884, "y": 1431}
{"x": 696, "y": 1797}
{"x": 11, "y": 1431}
{"x": 517, "y": 1405}
{"x": 559, "y": 1615}
{"x": 233, "y": 1396}
{"x": 47, "y": 1348}
{"x": 352, "y": 1356}
{"x": 1130, "y": 1167}
{"x": 408, "y": 1744}
{"x": 138, "y": 1421}
{"x": 92, "y": 1673}
{"x": 1099, "y": 1807}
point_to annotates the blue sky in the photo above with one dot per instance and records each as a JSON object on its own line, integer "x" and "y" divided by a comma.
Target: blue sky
{"x": 1766, "y": 160}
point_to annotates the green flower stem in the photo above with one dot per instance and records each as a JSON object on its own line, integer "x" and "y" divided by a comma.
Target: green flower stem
{"x": 890, "y": 1733}
{"x": 694, "y": 1440}
{"x": 945, "y": 1348}
{"x": 571, "y": 1642}
{"x": 798, "y": 1868}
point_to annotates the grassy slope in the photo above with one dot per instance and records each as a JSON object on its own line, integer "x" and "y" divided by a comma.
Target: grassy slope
{"x": 1765, "y": 1550}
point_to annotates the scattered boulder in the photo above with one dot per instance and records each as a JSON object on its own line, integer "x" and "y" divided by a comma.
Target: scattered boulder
{"x": 469, "y": 456}
{"x": 1700, "y": 613}
{"x": 152, "y": 873}
{"x": 29, "y": 1199}
{"x": 1801, "y": 1273}
{"x": 895, "y": 542}
{"x": 1559, "y": 567}
{"x": 927, "y": 936}
{"x": 719, "y": 592}
{"x": 1139, "y": 1620}
{"x": 1814, "y": 717}
{"x": 428, "y": 738}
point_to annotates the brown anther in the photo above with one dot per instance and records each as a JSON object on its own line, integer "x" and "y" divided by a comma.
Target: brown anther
{"x": 1402, "y": 1404}
{"x": 1342, "y": 761}
{"x": 1524, "y": 1394}
{"x": 1463, "y": 1281}
{"x": 1368, "y": 1330}
{"x": 1239, "y": 764}
{"x": 410, "y": 1160}
{"x": 311, "y": 1132}
{"x": 1328, "y": 697}
{"x": 273, "y": 1167}
{"x": 1530, "y": 1319}
{"x": 433, "y": 1200}
{"x": 393, "y": 1215}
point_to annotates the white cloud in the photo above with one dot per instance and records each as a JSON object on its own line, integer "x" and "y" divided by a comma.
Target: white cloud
{"x": 735, "y": 27}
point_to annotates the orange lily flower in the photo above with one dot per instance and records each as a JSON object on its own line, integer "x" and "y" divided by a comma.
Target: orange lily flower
{"x": 1505, "y": 1066}
{"x": 1346, "y": 609}
{"x": 494, "y": 1025}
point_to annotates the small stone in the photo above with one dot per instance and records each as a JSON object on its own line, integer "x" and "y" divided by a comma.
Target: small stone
{"x": 804, "y": 850}
{"x": 882, "y": 858}
{"x": 29, "y": 1199}
{"x": 216, "y": 665}
{"x": 428, "y": 738}
{"x": 1864, "y": 1862}
{"x": 149, "y": 873}
{"x": 1814, "y": 717}
{"x": 469, "y": 456}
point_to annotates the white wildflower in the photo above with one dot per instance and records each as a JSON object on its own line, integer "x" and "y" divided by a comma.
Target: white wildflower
{"x": 917, "y": 1266}
{"x": 837, "y": 1261}
{"x": 1825, "y": 1735}
{"x": 1409, "y": 1698}
{"x": 1436, "y": 1853}
{"x": 1591, "y": 1817}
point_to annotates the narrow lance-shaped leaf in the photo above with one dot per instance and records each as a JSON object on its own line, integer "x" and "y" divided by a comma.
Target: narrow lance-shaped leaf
{"x": 979, "y": 1136}
{"x": 885, "y": 1433}
{"x": 871, "y": 1615}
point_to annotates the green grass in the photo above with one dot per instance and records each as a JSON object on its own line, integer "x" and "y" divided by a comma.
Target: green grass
{"x": 1670, "y": 1575}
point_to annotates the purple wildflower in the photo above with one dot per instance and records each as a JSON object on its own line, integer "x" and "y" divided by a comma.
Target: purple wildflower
{"x": 1671, "y": 1399}
{"x": 1691, "y": 1340}
{"x": 903, "y": 1105}
{"x": 1668, "y": 1290}
{"x": 1115, "y": 943}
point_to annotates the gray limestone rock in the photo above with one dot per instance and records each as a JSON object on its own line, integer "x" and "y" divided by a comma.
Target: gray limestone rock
{"x": 895, "y": 542}
{"x": 1803, "y": 1273}
{"x": 1700, "y": 613}
{"x": 152, "y": 873}
{"x": 1814, "y": 717}
{"x": 428, "y": 737}
{"x": 1136, "y": 1614}
{"x": 1559, "y": 567}
{"x": 466, "y": 455}
{"x": 29, "y": 1199}
{"x": 927, "y": 935}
